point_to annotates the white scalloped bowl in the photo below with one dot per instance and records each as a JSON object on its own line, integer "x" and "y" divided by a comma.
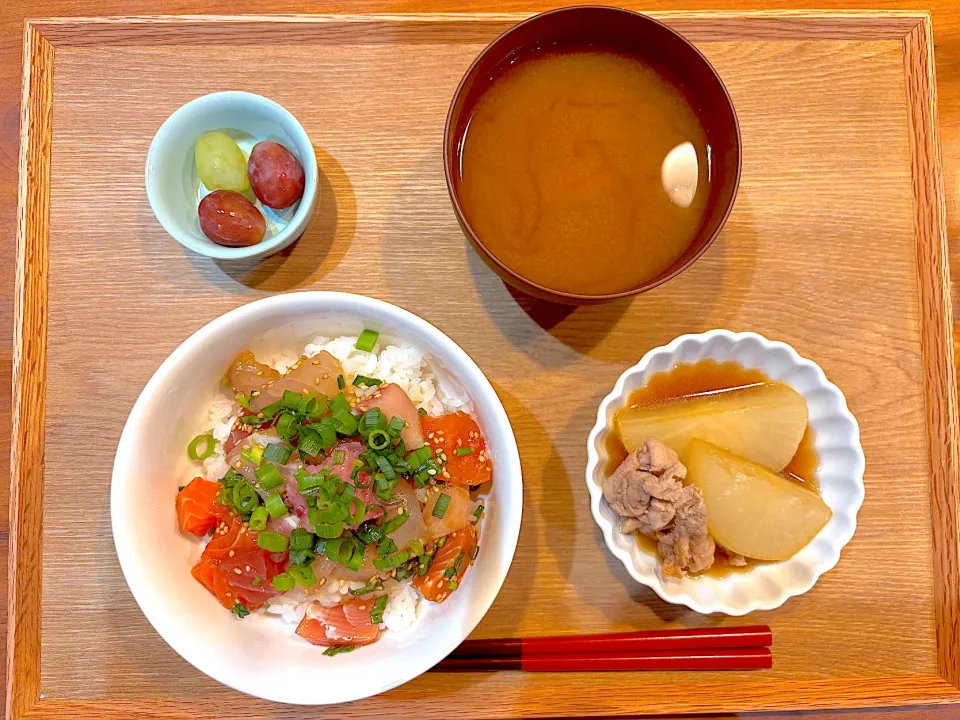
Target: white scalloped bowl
{"x": 837, "y": 441}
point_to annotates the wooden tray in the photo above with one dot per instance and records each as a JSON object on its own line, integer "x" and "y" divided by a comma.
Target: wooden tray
{"x": 836, "y": 245}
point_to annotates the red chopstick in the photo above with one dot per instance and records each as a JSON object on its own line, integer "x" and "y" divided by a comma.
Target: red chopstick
{"x": 631, "y": 642}
{"x": 757, "y": 658}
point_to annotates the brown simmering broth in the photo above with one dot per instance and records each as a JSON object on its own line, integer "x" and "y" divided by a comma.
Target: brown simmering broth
{"x": 704, "y": 377}
{"x": 584, "y": 171}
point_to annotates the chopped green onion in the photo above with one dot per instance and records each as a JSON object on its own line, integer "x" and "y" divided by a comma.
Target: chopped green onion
{"x": 231, "y": 478}
{"x": 242, "y": 399}
{"x": 268, "y": 476}
{"x": 345, "y": 422}
{"x": 313, "y": 480}
{"x": 328, "y": 433}
{"x": 388, "y": 563}
{"x": 341, "y": 383}
{"x": 372, "y": 419}
{"x": 225, "y": 382}
{"x": 478, "y": 512}
{"x": 416, "y": 547}
{"x": 301, "y": 539}
{"x": 180, "y": 489}
{"x": 384, "y": 487}
{"x": 287, "y": 426}
{"x": 278, "y": 453}
{"x": 367, "y": 339}
{"x": 386, "y": 468}
{"x": 387, "y": 546}
{"x": 453, "y": 584}
{"x": 303, "y": 574}
{"x": 240, "y": 609}
{"x": 256, "y": 581}
{"x": 396, "y": 425}
{"x": 372, "y": 587}
{"x": 339, "y": 650}
{"x": 209, "y": 445}
{"x": 440, "y": 509}
{"x": 283, "y": 581}
{"x": 379, "y": 605}
{"x": 272, "y": 409}
{"x": 258, "y": 518}
{"x": 339, "y": 402}
{"x": 404, "y": 571}
{"x": 272, "y": 541}
{"x": 355, "y": 470}
{"x": 463, "y": 451}
{"x": 452, "y": 571}
{"x": 422, "y": 411}
{"x": 252, "y": 420}
{"x": 245, "y": 498}
{"x": 328, "y": 530}
{"x": 290, "y": 400}
{"x": 394, "y": 523}
{"x": 358, "y": 508}
{"x": 339, "y": 457}
{"x": 474, "y": 553}
{"x": 368, "y": 381}
{"x": 302, "y": 557}
{"x": 378, "y": 440}
{"x": 416, "y": 458}
{"x": 275, "y": 506}
{"x": 441, "y": 541}
{"x": 252, "y": 454}
{"x": 369, "y": 533}
{"x": 310, "y": 442}
{"x": 316, "y": 405}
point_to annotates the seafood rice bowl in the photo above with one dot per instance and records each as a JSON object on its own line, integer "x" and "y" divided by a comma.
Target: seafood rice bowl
{"x": 334, "y": 495}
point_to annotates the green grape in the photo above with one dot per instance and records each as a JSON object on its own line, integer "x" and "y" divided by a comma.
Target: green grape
{"x": 220, "y": 163}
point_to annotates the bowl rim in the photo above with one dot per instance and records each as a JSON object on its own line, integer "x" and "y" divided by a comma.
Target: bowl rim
{"x": 119, "y": 492}
{"x": 293, "y": 228}
{"x": 608, "y": 529}
{"x": 564, "y": 295}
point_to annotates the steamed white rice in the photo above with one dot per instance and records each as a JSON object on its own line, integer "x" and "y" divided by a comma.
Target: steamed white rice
{"x": 402, "y": 364}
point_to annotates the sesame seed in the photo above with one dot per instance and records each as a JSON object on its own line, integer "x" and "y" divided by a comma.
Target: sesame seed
{"x": 326, "y": 376}
{"x": 431, "y": 471}
{"x": 362, "y": 607}
{"x": 254, "y": 393}
{"x": 323, "y": 581}
{"x": 260, "y": 415}
{"x": 446, "y": 474}
{"x": 231, "y": 553}
{"x": 229, "y": 594}
{"x": 238, "y": 464}
{"x": 247, "y": 568}
{"x": 238, "y": 571}
{"x": 316, "y": 380}
{"x": 260, "y": 373}
{"x": 316, "y": 362}
{"x": 430, "y": 436}
{"x": 305, "y": 391}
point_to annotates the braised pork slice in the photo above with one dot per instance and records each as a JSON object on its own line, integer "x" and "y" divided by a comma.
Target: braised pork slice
{"x": 647, "y": 491}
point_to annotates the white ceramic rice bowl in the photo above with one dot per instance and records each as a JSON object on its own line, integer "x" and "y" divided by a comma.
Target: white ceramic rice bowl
{"x": 260, "y": 655}
{"x": 837, "y": 441}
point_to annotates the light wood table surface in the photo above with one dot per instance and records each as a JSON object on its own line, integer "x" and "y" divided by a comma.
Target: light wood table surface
{"x": 946, "y": 23}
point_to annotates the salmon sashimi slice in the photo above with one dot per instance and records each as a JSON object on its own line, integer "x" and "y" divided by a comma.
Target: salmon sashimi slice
{"x": 442, "y": 520}
{"x": 449, "y": 565}
{"x": 459, "y": 447}
{"x": 235, "y": 568}
{"x": 197, "y": 508}
{"x": 393, "y": 402}
{"x": 347, "y": 624}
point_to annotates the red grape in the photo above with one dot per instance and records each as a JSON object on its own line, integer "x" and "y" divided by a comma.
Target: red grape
{"x": 276, "y": 176}
{"x": 229, "y": 219}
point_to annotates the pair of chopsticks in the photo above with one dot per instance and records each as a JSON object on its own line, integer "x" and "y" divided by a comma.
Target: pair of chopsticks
{"x": 732, "y": 648}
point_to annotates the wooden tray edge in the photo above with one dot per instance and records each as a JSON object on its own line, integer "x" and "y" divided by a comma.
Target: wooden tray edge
{"x": 29, "y": 356}
{"x": 29, "y": 376}
{"x": 940, "y": 379}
